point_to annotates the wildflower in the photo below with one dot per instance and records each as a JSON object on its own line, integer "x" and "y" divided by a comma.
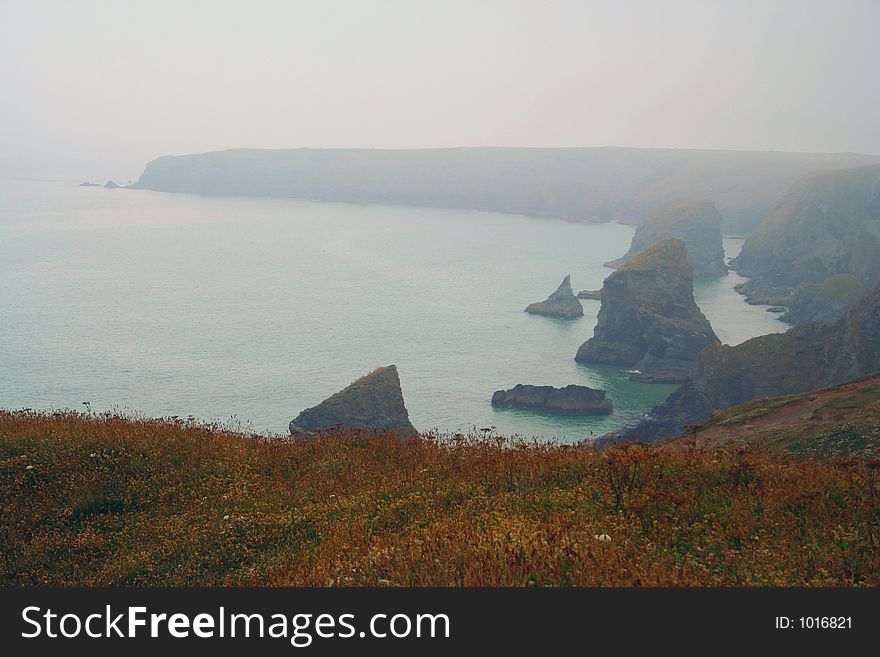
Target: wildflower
{"x": 92, "y": 455}
{"x": 226, "y": 517}
{"x": 602, "y": 538}
{"x": 30, "y": 467}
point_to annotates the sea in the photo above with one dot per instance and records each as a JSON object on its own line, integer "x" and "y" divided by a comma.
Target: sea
{"x": 245, "y": 311}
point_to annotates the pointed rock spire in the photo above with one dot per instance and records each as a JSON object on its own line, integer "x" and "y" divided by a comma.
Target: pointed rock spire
{"x": 374, "y": 401}
{"x": 561, "y": 304}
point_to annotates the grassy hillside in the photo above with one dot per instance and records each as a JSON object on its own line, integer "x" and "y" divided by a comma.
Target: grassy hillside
{"x": 837, "y": 421}
{"x": 112, "y": 500}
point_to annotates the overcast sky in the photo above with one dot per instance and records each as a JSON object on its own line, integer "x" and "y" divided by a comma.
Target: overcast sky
{"x": 96, "y": 89}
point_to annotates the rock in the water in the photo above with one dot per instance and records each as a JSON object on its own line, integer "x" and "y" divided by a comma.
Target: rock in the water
{"x": 110, "y": 185}
{"x": 570, "y": 400}
{"x": 561, "y": 304}
{"x": 590, "y": 294}
{"x": 694, "y": 221}
{"x": 825, "y": 302}
{"x": 649, "y": 320}
{"x": 776, "y": 309}
{"x": 88, "y": 184}
{"x": 827, "y": 224}
{"x": 374, "y": 402}
{"x": 807, "y": 357}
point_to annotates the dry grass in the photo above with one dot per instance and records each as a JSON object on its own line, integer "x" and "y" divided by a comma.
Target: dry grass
{"x": 113, "y": 500}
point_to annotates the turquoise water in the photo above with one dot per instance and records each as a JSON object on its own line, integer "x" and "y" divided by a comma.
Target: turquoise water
{"x": 253, "y": 309}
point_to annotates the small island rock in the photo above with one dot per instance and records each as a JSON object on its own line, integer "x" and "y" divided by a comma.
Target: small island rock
{"x": 562, "y": 304}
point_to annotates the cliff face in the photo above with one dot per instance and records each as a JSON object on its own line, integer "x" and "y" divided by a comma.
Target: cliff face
{"x": 374, "y": 401}
{"x": 694, "y": 221}
{"x": 570, "y": 400}
{"x": 827, "y": 224}
{"x": 805, "y": 358}
{"x": 825, "y": 302}
{"x": 649, "y": 320}
{"x": 580, "y": 184}
{"x": 562, "y": 304}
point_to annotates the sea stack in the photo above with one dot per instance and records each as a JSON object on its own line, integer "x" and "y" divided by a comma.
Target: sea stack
{"x": 562, "y": 304}
{"x": 807, "y": 357}
{"x": 373, "y": 402}
{"x": 649, "y": 320}
{"x": 696, "y": 222}
{"x": 570, "y": 400}
{"x": 110, "y": 185}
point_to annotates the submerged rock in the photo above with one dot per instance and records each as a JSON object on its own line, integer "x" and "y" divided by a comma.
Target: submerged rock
{"x": 696, "y": 222}
{"x": 649, "y": 320}
{"x": 570, "y": 400}
{"x": 561, "y": 304}
{"x": 374, "y": 402}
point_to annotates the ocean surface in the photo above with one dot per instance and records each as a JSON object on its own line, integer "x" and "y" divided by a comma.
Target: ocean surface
{"x": 246, "y": 311}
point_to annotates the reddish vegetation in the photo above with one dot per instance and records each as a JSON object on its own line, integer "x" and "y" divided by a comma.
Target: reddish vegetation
{"x": 111, "y": 500}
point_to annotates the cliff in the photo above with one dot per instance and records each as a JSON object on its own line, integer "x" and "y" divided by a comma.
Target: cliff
{"x": 825, "y": 302}
{"x": 808, "y": 357}
{"x": 562, "y": 304}
{"x": 374, "y": 402}
{"x": 570, "y": 400}
{"x": 580, "y": 184}
{"x": 649, "y": 320}
{"x": 827, "y": 224}
{"x": 694, "y": 221}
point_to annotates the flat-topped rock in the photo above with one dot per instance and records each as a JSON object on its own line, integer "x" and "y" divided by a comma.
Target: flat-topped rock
{"x": 562, "y": 304}
{"x": 696, "y": 222}
{"x": 570, "y": 400}
{"x": 649, "y": 320}
{"x": 374, "y": 402}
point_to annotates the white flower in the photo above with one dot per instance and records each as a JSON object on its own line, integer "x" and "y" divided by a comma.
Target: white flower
{"x": 226, "y": 517}
{"x": 92, "y": 455}
{"x": 602, "y": 538}
{"x": 30, "y": 467}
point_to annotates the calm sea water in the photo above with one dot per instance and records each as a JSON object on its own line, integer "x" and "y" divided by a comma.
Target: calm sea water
{"x": 252, "y": 309}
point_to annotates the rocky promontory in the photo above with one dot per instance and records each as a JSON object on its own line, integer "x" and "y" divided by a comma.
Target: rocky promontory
{"x": 827, "y": 224}
{"x": 374, "y": 402}
{"x": 649, "y": 320}
{"x": 570, "y": 400}
{"x": 807, "y": 357}
{"x": 696, "y": 222}
{"x": 562, "y": 304}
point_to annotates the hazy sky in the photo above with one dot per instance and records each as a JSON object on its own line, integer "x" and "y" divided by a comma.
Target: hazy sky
{"x": 96, "y": 89}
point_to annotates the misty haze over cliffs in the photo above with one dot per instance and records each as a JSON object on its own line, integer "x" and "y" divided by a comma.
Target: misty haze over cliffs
{"x": 579, "y": 184}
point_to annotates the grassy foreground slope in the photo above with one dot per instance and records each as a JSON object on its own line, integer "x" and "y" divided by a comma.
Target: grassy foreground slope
{"x": 112, "y": 500}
